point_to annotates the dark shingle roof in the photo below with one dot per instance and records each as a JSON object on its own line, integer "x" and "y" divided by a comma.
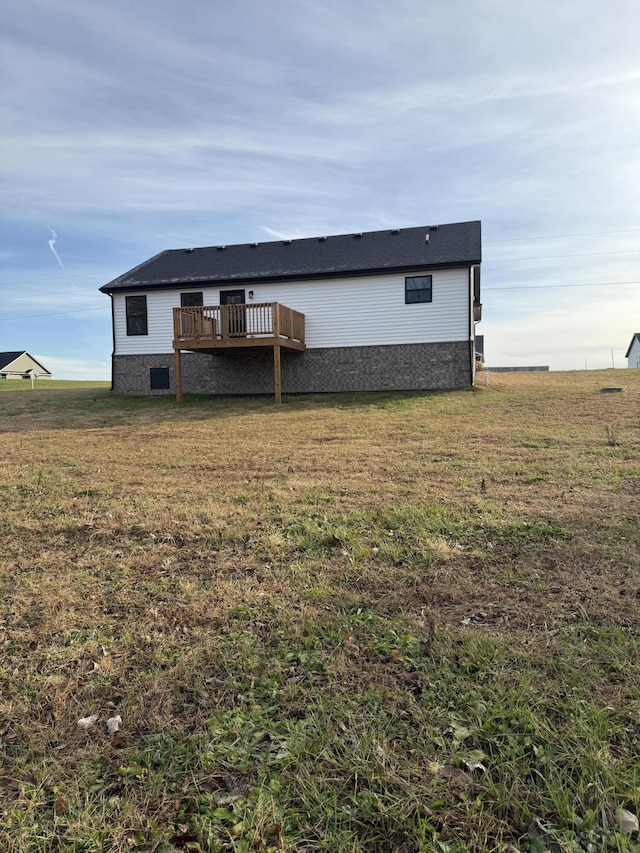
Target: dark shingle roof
{"x": 636, "y": 337}
{"x": 7, "y": 357}
{"x": 457, "y": 244}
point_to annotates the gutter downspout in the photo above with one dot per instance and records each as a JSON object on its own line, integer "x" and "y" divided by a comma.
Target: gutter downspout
{"x": 113, "y": 338}
{"x": 472, "y": 359}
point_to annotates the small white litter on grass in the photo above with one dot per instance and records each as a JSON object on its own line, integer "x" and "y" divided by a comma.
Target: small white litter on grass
{"x": 113, "y": 724}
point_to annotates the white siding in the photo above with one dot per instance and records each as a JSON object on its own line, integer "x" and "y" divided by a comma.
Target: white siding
{"x": 634, "y": 354}
{"x": 369, "y": 310}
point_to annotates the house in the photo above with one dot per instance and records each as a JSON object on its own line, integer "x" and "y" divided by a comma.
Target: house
{"x": 21, "y": 365}
{"x": 381, "y": 310}
{"x": 633, "y": 353}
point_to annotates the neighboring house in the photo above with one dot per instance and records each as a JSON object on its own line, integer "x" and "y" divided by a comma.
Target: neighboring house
{"x": 633, "y": 353}
{"x": 383, "y": 310}
{"x": 21, "y": 365}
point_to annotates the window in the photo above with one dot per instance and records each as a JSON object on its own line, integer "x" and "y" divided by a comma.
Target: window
{"x": 137, "y": 315}
{"x": 189, "y": 299}
{"x": 417, "y": 288}
{"x": 159, "y": 378}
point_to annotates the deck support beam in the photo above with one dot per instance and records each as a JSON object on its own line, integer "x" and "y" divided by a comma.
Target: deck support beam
{"x": 178, "y": 364}
{"x": 214, "y": 328}
{"x": 277, "y": 375}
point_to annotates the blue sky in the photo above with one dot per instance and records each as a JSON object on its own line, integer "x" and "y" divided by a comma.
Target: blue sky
{"x": 133, "y": 127}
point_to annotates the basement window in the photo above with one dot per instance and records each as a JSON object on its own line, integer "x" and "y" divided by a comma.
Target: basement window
{"x": 159, "y": 378}
{"x": 187, "y": 300}
{"x": 136, "y": 315}
{"x": 417, "y": 288}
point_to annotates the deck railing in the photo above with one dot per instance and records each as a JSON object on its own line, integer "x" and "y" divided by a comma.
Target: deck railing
{"x": 229, "y": 322}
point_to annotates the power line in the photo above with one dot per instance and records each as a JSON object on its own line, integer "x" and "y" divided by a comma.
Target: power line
{"x": 542, "y": 286}
{"x": 57, "y": 293}
{"x": 486, "y": 260}
{"x": 485, "y": 242}
{"x": 508, "y": 287}
{"x": 54, "y": 277}
{"x": 52, "y": 314}
{"x": 560, "y": 236}
{"x": 553, "y": 257}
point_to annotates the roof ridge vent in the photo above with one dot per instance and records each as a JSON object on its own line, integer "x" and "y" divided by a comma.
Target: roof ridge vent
{"x": 322, "y": 239}
{"x": 286, "y": 242}
{"x": 395, "y": 230}
{"x": 254, "y": 245}
{"x": 220, "y": 248}
{"x": 358, "y": 234}
{"x": 433, "y": 227}
{"x": 188, "y": 251}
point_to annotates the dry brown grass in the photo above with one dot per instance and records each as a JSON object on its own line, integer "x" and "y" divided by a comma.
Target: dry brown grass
{"x": 147, "y": 549}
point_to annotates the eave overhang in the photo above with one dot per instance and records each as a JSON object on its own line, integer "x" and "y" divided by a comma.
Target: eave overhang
{"x": 170, "y": 284}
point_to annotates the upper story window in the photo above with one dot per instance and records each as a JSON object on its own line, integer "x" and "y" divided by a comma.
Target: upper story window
{"x": 417, "y": 288}
{"x": 136, "y": 315}
{"x": 189, "y": 299}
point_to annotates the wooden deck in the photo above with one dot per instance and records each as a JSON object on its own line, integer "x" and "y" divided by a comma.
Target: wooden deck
{"x": 211, "y": 328}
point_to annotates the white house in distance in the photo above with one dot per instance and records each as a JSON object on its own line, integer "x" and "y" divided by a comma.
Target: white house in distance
{"x": 21, "y": 365}
{"x": 633, "y": 353}
{"x": 381, "y": 310}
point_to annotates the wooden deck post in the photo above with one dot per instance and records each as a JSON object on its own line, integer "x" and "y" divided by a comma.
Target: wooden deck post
{"x": 277, "y": 374}
{"x": 178, "y": 362}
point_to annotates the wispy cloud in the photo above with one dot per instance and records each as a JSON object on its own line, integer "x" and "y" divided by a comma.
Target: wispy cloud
{"x": 75, "y": 368}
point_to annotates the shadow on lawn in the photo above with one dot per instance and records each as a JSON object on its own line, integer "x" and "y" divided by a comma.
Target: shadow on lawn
{"x": 94, "y": 408}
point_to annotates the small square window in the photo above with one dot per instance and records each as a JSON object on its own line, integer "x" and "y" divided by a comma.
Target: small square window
{"x": 191, "y": 299}
{"x": 159, "y": 378}
{"x": 417, "y": 288}
{"x": 136, "y": 310}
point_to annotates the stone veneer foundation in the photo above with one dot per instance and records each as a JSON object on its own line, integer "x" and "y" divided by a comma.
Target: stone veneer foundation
{"x": 402, "y": 367}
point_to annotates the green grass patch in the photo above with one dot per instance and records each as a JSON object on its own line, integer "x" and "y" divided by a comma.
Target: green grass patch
{"x": 396, "y": 623}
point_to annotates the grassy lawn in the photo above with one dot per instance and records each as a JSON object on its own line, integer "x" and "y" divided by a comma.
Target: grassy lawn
{"x": 387, "y": 622}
